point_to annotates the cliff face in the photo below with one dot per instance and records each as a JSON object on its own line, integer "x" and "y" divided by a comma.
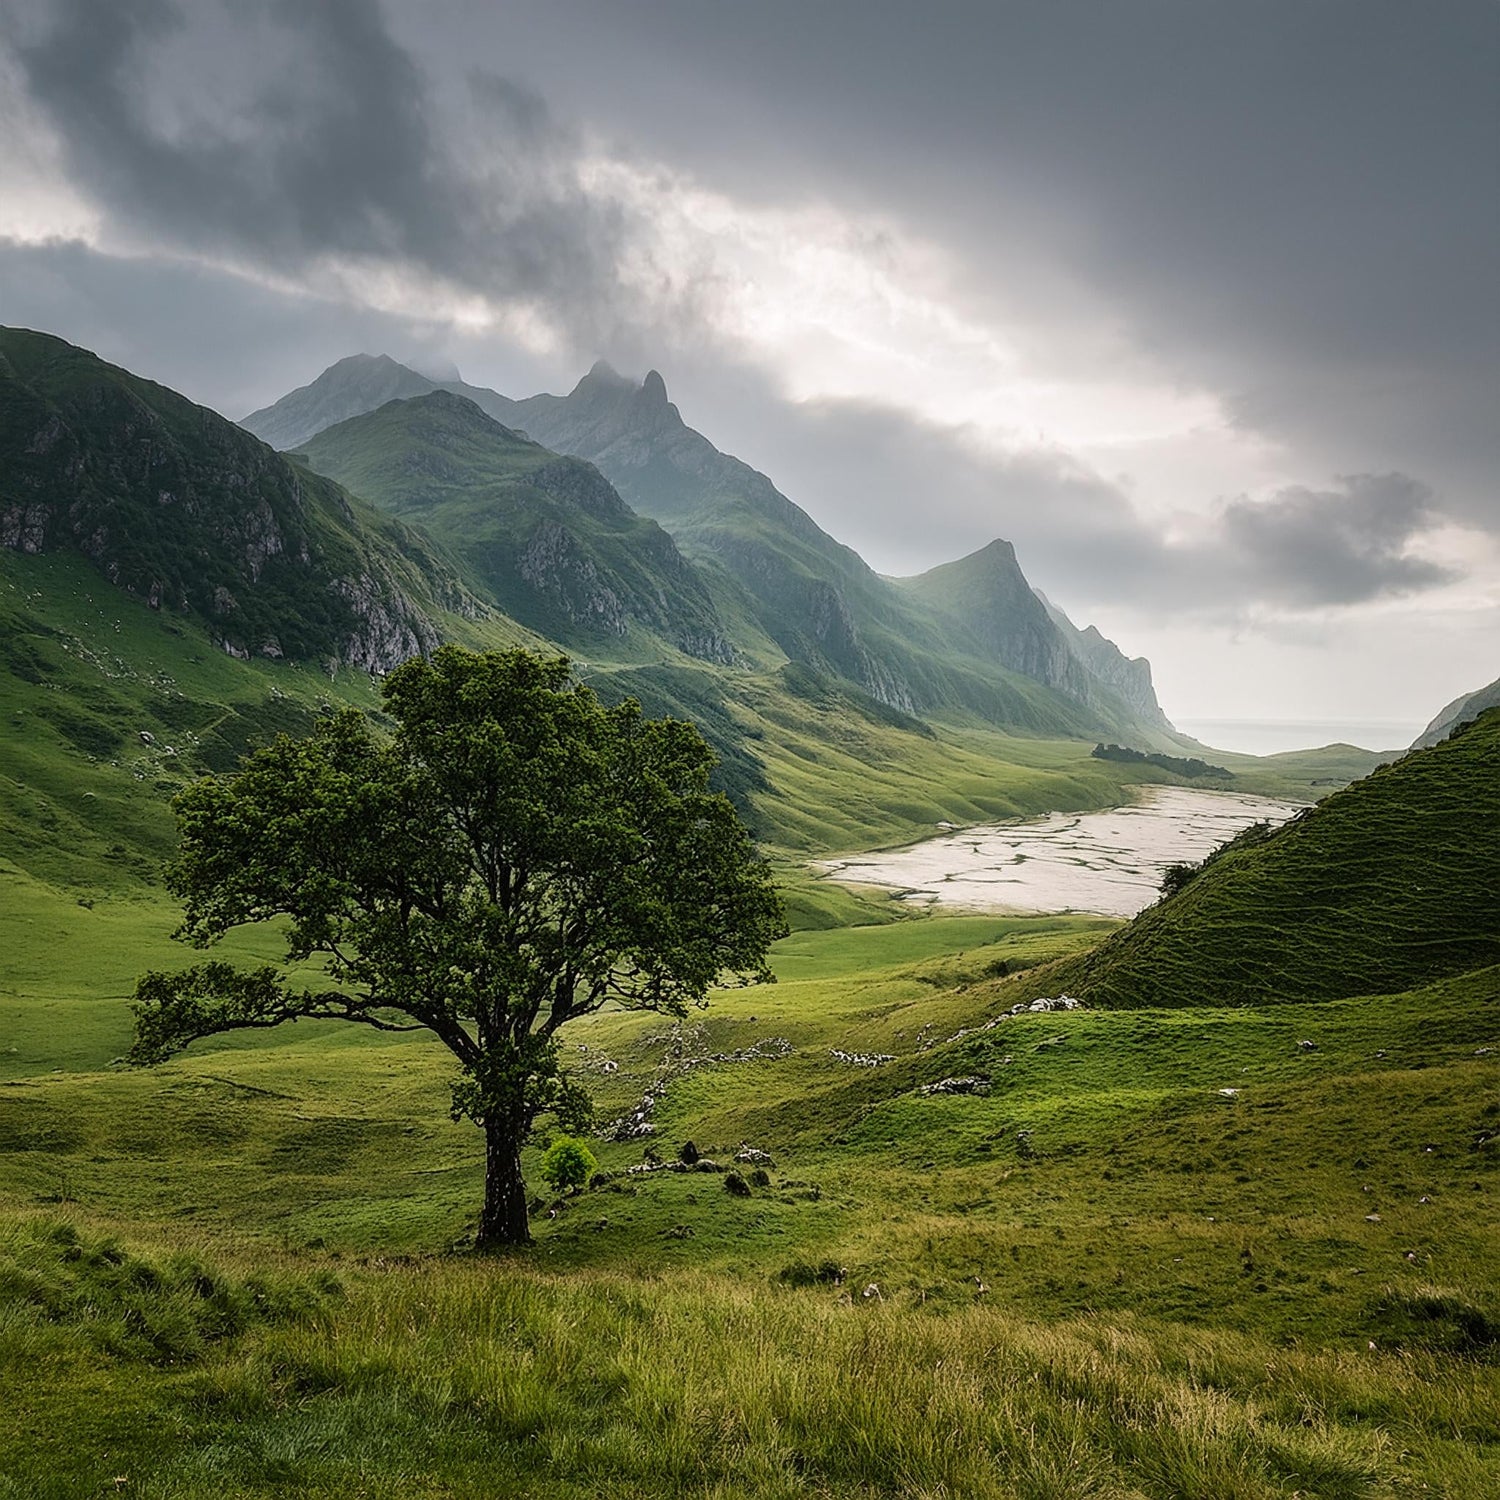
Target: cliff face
{"x": 183, "y": 509}
{"x": 1127, "y": 677}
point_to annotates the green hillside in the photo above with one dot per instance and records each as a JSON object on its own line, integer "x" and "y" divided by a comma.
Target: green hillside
{"x": 236, "y": 1274}
{"x": 546, "y": 537}
{"x": 176, "y": 506}
{"x": 1390, "y": 883}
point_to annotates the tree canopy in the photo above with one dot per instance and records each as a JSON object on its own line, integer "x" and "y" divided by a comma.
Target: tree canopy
{"x": 515, "y": 856}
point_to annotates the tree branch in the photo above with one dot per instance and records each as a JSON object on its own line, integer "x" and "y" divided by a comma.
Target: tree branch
{"x": 173, "y": 1010}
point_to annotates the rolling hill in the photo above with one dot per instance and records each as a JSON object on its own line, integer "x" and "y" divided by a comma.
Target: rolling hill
{"x": 1391, "y": 883}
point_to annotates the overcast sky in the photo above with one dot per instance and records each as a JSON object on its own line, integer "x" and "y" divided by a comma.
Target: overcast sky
{"x": 1195, "y": 303}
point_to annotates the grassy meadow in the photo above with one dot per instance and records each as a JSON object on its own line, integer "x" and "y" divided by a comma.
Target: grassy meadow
{"x": 245, "y": 1272}
{"x": 1206, "y": 1249}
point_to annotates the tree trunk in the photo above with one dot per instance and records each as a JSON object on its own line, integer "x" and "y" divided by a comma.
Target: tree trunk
{"x": 502, "y": 1220}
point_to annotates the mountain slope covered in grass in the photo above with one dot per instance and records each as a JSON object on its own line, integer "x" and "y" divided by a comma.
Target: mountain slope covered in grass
{"x": 780, "y": 579}
{"x": 183, "y": 509}
{"x": 1392, "y": 882}
{"x": 546, "y": 536}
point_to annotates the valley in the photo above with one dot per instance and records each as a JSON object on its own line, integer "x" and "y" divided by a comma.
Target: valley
{"x": 897, "y": 1224}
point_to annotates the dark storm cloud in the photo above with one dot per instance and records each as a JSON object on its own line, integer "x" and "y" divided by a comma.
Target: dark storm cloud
{"x": 323, "y": 139}
{"x": 1268, "y": 198}
{"x": 1306, "y": 547}
{"x": 1294, "y": 207}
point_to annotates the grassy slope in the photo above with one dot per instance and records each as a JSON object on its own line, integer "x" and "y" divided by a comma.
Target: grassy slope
{"x": 485, "y": 492}
{"x": 177, "y": 503}
{"x": 85, "y": 671}
{"x": 1388, "y": 884}
{"x": 1163, "y": 1264}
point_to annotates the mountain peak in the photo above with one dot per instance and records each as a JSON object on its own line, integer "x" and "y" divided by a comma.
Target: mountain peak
{"x": 998, "y": 550}
{"x": 654, "y": 388}
{"x": 601, "y": 378}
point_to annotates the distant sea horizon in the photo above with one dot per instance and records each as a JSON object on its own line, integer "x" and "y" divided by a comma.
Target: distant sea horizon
{"x": 1272, "y": 736}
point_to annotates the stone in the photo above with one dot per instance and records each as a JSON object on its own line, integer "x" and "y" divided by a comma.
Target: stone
{"x": 972, "y": 1084}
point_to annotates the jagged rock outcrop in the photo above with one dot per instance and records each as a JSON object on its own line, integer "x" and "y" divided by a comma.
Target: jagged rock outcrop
{"x": 1127, "y": 677}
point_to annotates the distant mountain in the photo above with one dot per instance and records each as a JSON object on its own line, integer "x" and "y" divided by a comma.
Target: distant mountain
{"x": 817, "y": 597}
{"x": 1391, "y": 883}
{"x": 187, "y": 511}
{"x": 781, "y": 579}
{"x": 1460, "y": 711}
{"x": 350, "y": 388}
{"x": 545, "y": 536}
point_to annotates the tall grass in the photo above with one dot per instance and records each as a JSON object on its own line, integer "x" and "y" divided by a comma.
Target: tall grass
{"x": 467, "y": 1378}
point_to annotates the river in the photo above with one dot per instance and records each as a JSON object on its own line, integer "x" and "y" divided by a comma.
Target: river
{"x": 1110, "y": 862}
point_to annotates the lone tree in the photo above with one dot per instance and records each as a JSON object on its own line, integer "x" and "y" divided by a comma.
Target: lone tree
{"x": 514, "y": 857}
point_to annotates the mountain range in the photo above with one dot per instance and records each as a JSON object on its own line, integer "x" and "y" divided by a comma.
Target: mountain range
{"x": 971, "y": 639}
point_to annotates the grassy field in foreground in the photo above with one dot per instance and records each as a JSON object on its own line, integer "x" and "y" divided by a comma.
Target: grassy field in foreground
{"x": 242, "y": 1273}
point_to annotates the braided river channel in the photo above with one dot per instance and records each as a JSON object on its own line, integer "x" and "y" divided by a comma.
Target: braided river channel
{"x": 1108, "y": 862}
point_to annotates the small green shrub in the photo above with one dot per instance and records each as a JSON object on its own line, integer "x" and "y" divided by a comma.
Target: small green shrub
{"x": 568, "y": 1165}
{"x": 805, "y": 1273}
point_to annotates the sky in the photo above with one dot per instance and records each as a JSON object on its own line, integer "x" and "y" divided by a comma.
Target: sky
{"x": 1195, "y": 303}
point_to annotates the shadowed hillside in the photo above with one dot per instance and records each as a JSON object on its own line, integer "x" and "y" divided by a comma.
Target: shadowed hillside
{"x": 181, "y": 508}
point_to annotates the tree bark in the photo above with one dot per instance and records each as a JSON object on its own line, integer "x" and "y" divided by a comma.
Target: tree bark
{"x": 503, "y": 1220}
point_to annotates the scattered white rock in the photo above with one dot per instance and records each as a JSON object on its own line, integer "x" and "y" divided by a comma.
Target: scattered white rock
{"x": 971, "y": 1084}
{"x": 862, "y": 1059}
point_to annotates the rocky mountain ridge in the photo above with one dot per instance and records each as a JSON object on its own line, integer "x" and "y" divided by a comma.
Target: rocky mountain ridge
{"x": 812, "y": 596}
{"x": 547, "y": 537}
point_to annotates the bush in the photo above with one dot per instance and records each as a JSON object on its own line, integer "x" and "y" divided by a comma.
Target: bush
{"x": 568, "y": 1164}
